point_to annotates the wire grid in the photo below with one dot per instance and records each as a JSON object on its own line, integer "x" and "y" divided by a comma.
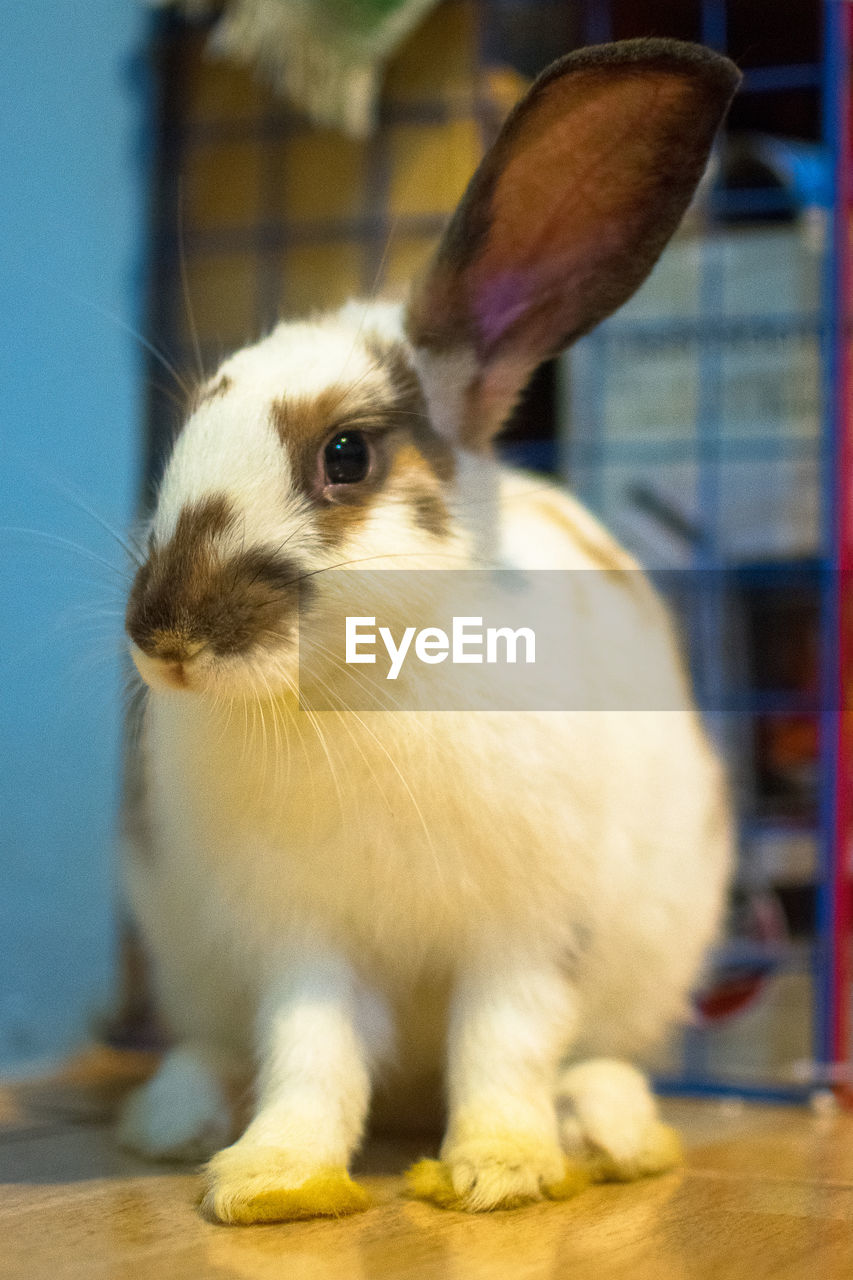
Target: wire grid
{"x": 704, "y": 424}
{"x": 262, "y": 215}
{"x": 258, "y": 215}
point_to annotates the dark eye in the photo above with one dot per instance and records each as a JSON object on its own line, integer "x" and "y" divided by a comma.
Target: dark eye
{"x": 347, "y": 458}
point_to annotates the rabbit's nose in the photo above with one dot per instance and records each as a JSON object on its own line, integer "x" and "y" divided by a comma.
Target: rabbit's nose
{"x": 162, "y": 672}
{"x": 172, "y": 647}
{"x": 167, "y": 645}
{"x": 173, "y": 675}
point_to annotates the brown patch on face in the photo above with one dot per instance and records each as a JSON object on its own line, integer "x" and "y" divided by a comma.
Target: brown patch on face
{"x": 431, "y": 514}
{"x": 396, "y": 363}
{"x": 189, "y": 595}
{"x": 303, "y": 424}
{"x": 413, "y": 480}
{"x": 390, "y": 411}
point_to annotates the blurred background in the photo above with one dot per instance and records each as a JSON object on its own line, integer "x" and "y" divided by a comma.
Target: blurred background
{"x": 173, "y": 190}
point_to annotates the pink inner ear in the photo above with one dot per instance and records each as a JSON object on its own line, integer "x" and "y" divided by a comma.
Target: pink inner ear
{"x": 566, "y": 216}
{"x": 547, "y": 295}
{"x": 569, "y": 202}
{"x": 502, "y": 301}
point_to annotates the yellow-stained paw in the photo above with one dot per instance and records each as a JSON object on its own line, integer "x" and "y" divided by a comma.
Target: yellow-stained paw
{"x": 484, "y": 1174}
{"x": 265, "y": 1184}
{"x": 658, "y": 1150}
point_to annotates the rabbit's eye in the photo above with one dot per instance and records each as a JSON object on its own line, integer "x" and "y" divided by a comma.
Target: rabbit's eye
{"x": 346, "y": 458}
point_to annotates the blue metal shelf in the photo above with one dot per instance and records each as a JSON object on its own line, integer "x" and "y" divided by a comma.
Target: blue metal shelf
{"x": 709, "y": 341}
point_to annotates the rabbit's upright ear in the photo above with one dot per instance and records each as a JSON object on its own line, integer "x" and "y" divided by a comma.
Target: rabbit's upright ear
{"x": 563, "y": 220}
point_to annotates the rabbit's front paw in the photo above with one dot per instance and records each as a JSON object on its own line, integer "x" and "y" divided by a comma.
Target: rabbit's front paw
{"x": 251, "y": 1183}
{"x": 652, "y": 1148}
{"x": 497, "y": 1173}
{"x": 181, "y": 1113}
{"x": 614, "y": 1122}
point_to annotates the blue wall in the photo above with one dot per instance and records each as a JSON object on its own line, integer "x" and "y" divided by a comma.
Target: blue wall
{"x": 72, "y": 202}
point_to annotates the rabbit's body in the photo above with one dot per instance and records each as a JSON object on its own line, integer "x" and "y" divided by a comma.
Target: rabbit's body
{"x": 407, "y": 839}
{"x": 507, "y": 898}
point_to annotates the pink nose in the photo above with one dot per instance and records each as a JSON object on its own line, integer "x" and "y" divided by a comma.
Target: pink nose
{"x": 174, "y": 674}
{"x": 162, "y": 673}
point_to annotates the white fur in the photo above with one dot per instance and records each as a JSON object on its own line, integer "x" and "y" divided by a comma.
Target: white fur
{"x": 551, "y": 879}
{"x": 445, "y": 377}
{"x": 513, "y": 899}
{"x": 614, "y": 1113}
{"x": 182, "y": 1112}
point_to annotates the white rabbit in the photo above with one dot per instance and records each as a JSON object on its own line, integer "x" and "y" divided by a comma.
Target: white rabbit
{"x": 513, "y": 901}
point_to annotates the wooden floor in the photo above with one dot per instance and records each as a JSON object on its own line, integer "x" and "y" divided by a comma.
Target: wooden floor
{"x": 766, "y": 1192}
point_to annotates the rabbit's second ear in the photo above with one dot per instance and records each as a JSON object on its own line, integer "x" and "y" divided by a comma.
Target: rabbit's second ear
{"x": 563, "y": 220}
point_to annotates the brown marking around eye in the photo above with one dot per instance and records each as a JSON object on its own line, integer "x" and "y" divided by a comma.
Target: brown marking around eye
{"x": 395, "y": 361}
{"x": 391, "y": 412}
{"x": 303, "y": 423}
{"x": 190, "y": 596}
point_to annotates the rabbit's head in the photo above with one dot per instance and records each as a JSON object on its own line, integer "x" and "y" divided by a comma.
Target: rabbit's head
{"x": 358, "y": 438}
